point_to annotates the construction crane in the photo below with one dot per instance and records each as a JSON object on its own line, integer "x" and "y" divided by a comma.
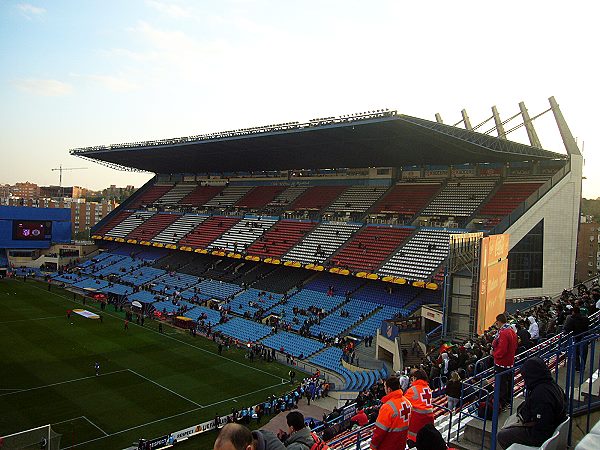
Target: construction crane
{"x": 60, "y": 171}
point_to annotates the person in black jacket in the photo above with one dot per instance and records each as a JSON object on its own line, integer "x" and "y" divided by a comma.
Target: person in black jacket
{"x": 544, "y": 408}
{"x": 577, "y": 323}
{"x": 524, "y": 338}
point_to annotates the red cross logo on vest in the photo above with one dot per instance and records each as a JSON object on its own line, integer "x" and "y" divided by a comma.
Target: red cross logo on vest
{"x": 426, "y": 396}
{"x": 405, "y": 412}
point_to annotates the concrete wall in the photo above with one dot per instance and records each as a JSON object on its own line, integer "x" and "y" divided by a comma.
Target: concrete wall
{"x": 560, "y": 210}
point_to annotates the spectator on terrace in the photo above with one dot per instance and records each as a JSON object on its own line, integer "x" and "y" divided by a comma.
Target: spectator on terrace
{"x": 429, "y": 438}
{"x": 524, "y": 338}
{"x": 360, "y": 418}
{"x": 391, "y": 427}
{"x": 504, "y": 349}
{"x": 237, "y": 437}
{"x": 420, "y": 396}
{"x": 453, "y": 390}
{"x": 534, "y": 330}
{"x": 544, "y": 408}
{"x": 577, "y": 323}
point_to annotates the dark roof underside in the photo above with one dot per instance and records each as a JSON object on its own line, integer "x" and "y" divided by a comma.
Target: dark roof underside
{"x": 389, "y": 141}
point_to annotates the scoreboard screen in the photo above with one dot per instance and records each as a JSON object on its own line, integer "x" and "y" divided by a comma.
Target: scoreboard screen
{"x": 32, "y": 230}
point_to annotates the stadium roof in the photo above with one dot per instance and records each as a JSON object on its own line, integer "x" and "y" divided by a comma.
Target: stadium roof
{"x": 379, "y": 139}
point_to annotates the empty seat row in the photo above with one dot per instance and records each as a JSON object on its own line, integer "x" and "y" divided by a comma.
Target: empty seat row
{"x": 259, "y": 197}
{"x": 174, "y": 195}
{"x": 208, "y": 231}
{"x": 178, "y": 229}
{"x": 356, "y": 199}
{"x": 239, "y": 237}
{"x": 322, "y": 242}
{"x": 228, "y": 196}
{"x": 460, "y": 198}
{"x": 293, "y": 344}
{"x": 280, "y": 238}
{"x": 288, "y": 196}
{"x": 150, "y": 195}
{"x": 244, "y": 330}
{"x": 122, "y": 229}
{"x": 406, "y": 199}
{"x": 418, "y": 258}
{"x": 370, "y": 247}
{"x": 153, "y": 226}
{"x": 316, "y": 198}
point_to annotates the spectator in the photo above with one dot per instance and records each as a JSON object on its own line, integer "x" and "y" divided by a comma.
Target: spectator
{"x": 577, "y": 323}
{"x": 360, "y": 418}
{"x": 453, "y": 390}
{"x": 299, "y": 437}
{"x": 544, "y": 408}
{"x": 420, "y": 396}
{"x": 391, "y": 427}
{"x": 534, "y": 330}
{"x": 237, "y": 437}
{"x": 504, "y": 348}
{"x": 429, "y": 438}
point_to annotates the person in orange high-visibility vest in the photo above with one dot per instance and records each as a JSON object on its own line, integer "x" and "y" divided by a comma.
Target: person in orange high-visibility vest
{"x": 420, "y": 396}
{"x": 391, "y": 427}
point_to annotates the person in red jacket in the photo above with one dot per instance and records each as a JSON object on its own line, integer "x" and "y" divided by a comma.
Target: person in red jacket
{"x": 360, "y": 418}
{"x": 504, "y": 348}
{"x": 420, "y": 396}
{"x": 391, "y": 428}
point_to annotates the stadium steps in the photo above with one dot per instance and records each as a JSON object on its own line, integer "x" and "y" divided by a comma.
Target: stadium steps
{"x": 482, "y": 205}
{"x": 227, "y": 197}
{"x": 129, "y": 224}
{"x": 150, "y": 195}
{"x": 173, "y": 196}
{"x": 200, "y": 195}
{"x": 407, "y": 199}
{"x": 208, "y": 231}
{"x": 178, "y": 229}
{"x": 415, "y": 260}
{"x": 259, "y": 197}
{"x": 152, "y": 227}
{"x": 378, "y": 243}
{"x": 280, "y": 238}
{"x": 328, "y": 235}
{"x": 460, "y": 198}
{"x": 114, "y": 221}
{"x": 317, "y": 198}
{"x": 241, "y": 235}
{"x": 356, "y": 199}
{"x": 397, "y": 249}
{"x": 287, "y": 197}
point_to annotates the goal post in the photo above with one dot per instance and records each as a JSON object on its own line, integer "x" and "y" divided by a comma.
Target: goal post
{"x": 43, "y": 437}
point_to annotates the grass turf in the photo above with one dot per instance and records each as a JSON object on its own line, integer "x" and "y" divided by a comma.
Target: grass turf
{"x": 150, "y": 384}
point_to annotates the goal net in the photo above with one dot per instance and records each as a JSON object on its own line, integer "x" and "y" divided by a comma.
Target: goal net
{"x": 36, "y": 438}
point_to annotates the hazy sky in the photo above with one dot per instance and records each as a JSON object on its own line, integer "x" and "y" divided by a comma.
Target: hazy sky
{"x": 81, "y": 73}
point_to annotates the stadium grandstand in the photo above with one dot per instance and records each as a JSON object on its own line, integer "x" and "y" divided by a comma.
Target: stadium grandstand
{"x": 310, "y": 241}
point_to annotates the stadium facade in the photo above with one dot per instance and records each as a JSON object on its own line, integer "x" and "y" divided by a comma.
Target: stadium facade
{"x": 368, "y": 172}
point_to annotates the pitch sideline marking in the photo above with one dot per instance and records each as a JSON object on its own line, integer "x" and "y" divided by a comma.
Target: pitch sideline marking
{"x": 164, "y": 387}
{"x": 167, "y": 336}
{"x": 96, "y": 426}
{"x": 28, "y": 320}
{"x": 63, "y": 382}
{"x": 173, "y": 416}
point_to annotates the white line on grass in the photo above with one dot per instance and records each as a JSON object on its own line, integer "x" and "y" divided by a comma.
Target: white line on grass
{"x": 164, "y": 387}
{"x": 28, "y": 320}
{"x": 96, "y": 426}
{"x": 64, "y": 382}
{"x": 67, "y": 420}
{"x": 174, "y": 415}
{"x": 166, "y": 336}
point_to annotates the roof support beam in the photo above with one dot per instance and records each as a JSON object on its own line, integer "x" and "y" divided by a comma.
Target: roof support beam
{"x": 565, "y": 132}
{"x": 499, "y": 125}
{"x": 531, "y": 133}
{"x": 466, "y": 119}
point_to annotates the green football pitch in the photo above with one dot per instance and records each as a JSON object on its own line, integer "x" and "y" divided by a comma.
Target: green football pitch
{"x": 149, "y": 383}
